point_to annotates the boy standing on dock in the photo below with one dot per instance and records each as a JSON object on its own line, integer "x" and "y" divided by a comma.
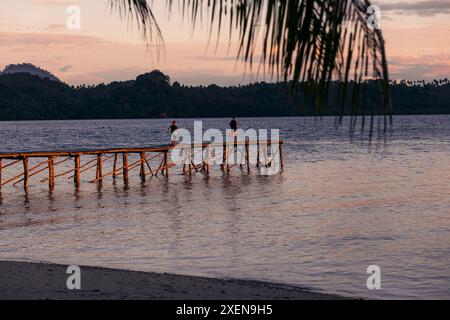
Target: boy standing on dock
{"x": 234, "y": 126}
{"x": 173, "y": 132}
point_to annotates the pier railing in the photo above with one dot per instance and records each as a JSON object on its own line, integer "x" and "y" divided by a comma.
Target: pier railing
{"x": 152, "y": 161}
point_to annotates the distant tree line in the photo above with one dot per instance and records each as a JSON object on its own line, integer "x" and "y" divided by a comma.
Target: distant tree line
{"x": 152, "y": 95}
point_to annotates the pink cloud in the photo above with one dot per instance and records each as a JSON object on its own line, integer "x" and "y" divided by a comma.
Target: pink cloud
{"x": 37, "y": 41}
{"x": 93, "y": 59}
{"x": 52, "y": 2}
{"x": 424, "y": 67}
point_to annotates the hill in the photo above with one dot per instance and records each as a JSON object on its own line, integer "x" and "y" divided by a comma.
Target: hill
{"x": 29, "y": 69}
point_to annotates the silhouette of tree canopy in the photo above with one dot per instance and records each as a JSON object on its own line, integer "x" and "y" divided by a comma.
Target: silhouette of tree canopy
{"x": 27, "y": 97}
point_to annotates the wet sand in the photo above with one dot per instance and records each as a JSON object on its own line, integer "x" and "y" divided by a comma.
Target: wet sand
{"x": 39, "y": 281}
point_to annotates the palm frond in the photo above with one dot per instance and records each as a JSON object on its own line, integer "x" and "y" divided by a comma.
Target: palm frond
{"x": 141, "y": 12}
{"x": 311, "y": 42}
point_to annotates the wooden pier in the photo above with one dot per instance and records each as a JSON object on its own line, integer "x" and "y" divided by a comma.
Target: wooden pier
{"x": 151, "y": 161}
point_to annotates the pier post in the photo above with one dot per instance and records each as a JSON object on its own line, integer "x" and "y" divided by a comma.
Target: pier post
{"x": 269, "y": 145}
{"x": 1, "y": 167}
{"x": 76, "y": 176}
{"x": 224, "y": 154}
{"x": 51, "y": 173}
{"x": 25, "y": 173}
{"x": 281, "y": 155}
{"x": 115, "y": 165}
{"x": 125, "y": 167}
{"x": 142, "y": 173}
{"x": 166, "y": 164}
{"x": 184, "y": 161}
{"x": 208, "y": 156}
{"x": 99, "y": 174}
{"x": 230, "y": 155}
{"x": 189, "y": 159}
{"x": 247, "y": 155}
{"x": 258, "y": 154}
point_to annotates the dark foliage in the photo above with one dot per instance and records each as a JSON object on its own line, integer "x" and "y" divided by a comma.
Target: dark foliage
{"x": 28, "y": 97}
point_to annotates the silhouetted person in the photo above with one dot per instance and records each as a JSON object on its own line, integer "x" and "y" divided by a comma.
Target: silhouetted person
{"x": 234, "y": 124}
{"x": 173, "y": 132}
{"x": 234, "y": 127}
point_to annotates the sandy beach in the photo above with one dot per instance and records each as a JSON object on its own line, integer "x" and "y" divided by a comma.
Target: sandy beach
{"x": 39, "y": 281}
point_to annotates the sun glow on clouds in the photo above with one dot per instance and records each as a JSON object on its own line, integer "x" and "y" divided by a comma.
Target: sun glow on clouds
{"x": 107, "y": 49}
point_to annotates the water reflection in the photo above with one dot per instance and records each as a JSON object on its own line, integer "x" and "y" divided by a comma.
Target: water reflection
{"x": 336, "y": 209}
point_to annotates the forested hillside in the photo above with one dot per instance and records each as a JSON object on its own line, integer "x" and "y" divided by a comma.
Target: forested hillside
{"x": 152, "y": 95}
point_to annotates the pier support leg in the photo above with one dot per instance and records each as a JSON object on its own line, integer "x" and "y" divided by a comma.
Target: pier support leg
{"x": 258, "y": 154}
{"x": 25, "y": 174}
{"x": 184, "y": 161}
{"x": 281, "y": 155}
{"x": 247, "y": 155}
{"x": 190, "y": 161}
{"x": 76, "y": 176}
{"x": 142, "y": 173}
{"x": 125, "y": 167}
{"x": 51, "y": 173}
{"x": 166, "y": 165}
{"x": 1, "y": 167}
{"x": 115, "y": 165}
{"x": 99, "y": 174}
{"x": 230, "y": 154}
{"x": 236, "y": 148}
{"x": 208, "y": 156}
{"x": 224, "y": 156}
{"x": 269, "y": 145}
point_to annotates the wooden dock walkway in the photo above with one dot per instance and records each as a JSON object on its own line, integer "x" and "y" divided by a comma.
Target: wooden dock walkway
{"x": 151, "y": 161}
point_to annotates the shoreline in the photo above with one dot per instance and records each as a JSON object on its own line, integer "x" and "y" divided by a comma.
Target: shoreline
{"x": 216, "y": 117}
{"x": 47, "y": 281}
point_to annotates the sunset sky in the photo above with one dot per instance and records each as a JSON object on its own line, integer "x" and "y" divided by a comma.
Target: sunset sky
{"x": 106, "y": 48}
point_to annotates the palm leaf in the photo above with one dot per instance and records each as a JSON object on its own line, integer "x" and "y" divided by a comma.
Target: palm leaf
{"x": 307, "y": 42}
{"x": 141, "y": 12}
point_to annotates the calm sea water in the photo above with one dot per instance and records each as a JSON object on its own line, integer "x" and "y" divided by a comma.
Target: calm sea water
{"x": 339, "y": 206}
